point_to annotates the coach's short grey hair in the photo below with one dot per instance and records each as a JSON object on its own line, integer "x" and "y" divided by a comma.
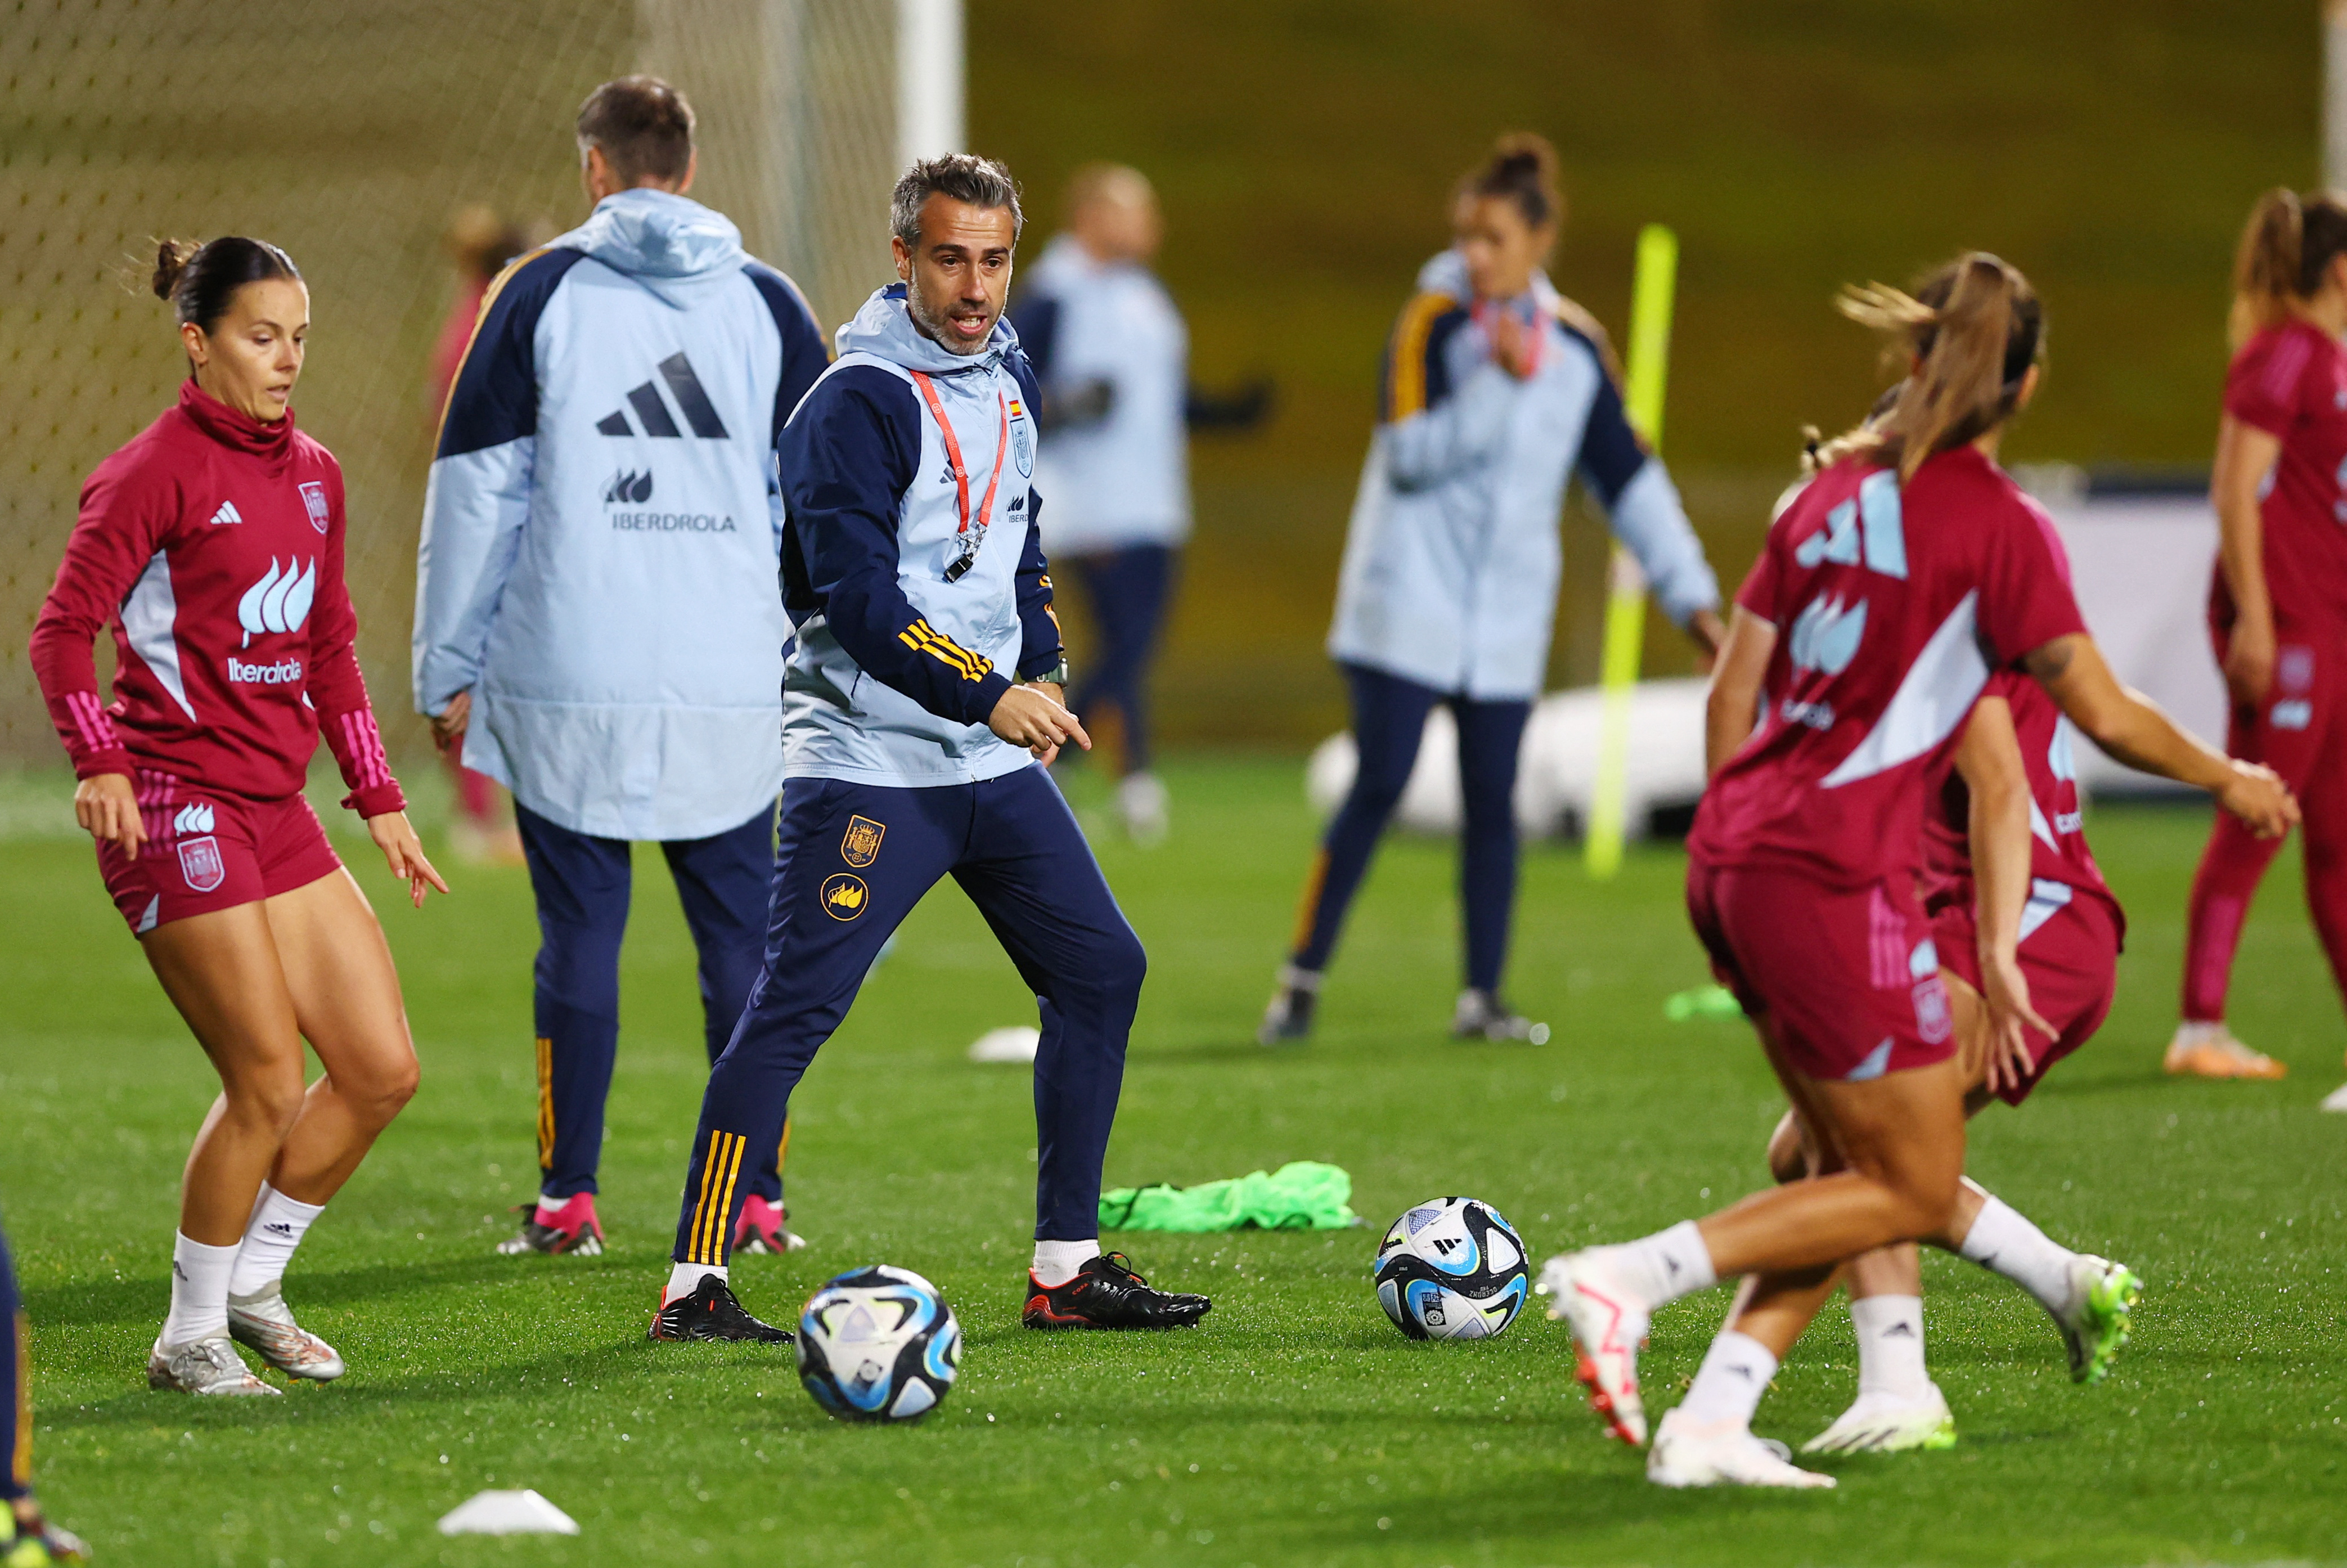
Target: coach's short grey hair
{"x": 965, "y": 176}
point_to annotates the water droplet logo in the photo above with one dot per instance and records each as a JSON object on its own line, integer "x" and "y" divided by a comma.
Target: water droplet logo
{"x": 279, "y": 601}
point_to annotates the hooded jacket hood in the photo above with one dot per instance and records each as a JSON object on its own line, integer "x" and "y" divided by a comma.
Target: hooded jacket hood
{"x": 884, "y": 329}
{"x": 1446, "y": 273}
{"x": 673, "y": 246}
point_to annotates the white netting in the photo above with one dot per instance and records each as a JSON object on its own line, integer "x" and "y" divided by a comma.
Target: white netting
{"x": 351, "y": 134}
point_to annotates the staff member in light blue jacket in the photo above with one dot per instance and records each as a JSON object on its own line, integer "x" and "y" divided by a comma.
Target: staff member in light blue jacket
{"x": 597, "y": 614}
{"x": 1497, "y": 391}
{"x": 1111, "y": 357}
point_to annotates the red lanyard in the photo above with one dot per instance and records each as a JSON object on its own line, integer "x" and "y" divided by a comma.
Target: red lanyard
{"x": 1484, "y": 310}
{"x": 960, "y": 470}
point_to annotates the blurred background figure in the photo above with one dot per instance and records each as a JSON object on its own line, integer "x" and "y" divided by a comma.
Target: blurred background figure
{"x": 480, "y": 243}
{"x": 2278, "y": 605}
{"x": 1497, "y": 391}
{"x": 1111, "y": 353}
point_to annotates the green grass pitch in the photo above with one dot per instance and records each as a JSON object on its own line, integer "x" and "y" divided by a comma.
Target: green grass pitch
{"x": 1295, "y": 1427}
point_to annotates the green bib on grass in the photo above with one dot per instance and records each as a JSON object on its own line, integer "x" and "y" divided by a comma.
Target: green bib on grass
{"x": 1303, "y": 1194}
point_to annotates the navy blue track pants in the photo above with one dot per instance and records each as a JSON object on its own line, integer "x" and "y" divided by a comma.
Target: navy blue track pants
{"x": 583, "y": 884}
{"x": 15, "y": 1404}
{"x": 1388, "y": 717}
{"x": 853, "y": 860}
{"x": 1127, "y": 590}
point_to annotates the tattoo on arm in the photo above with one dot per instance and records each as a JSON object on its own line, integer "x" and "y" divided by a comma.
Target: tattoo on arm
{"x": 2051, "y": 661}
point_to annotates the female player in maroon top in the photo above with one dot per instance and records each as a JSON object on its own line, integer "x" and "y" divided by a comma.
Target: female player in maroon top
{"x": 212, "y": 547}
{"x": 1908, "y": 572}
{"x": 2278, "y": 609}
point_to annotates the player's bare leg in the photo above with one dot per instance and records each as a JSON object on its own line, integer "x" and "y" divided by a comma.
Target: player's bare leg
{"x": 1893, "y": 1151}
{"x": 222, "y": 970}
{"x": 345, "y": 993}
{"x": 1898, "y": 1405}
{"x": 346, "y": 998}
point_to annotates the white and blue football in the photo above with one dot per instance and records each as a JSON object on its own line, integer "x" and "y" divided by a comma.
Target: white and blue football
{"x": 1451, "y": 1268}
{"x": 878, "y": 1344}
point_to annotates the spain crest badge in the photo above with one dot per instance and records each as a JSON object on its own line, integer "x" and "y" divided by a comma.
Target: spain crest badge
{"x": 860, "y": 846}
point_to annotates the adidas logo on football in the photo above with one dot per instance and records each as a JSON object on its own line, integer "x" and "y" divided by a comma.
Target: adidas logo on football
{"x": 652, "y": 410}
{"x": 195, "y": 818}
{"x": 227, "y": 514}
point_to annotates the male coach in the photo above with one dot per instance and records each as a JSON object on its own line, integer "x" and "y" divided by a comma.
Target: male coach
{"x": 596, "y": 609}
{"x": 915, "y": 577}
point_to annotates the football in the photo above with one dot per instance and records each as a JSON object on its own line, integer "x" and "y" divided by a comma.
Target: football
{"x": 1451, "y": 1268}
{"x": 878, "y": 1344}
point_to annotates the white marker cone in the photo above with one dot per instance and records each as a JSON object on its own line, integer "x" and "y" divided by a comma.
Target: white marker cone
{"x": 506, "y": 1513}
{"x": 1015, "y": 1043}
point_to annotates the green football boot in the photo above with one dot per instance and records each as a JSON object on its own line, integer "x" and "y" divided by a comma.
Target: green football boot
{"x": 2094, "y": 1330}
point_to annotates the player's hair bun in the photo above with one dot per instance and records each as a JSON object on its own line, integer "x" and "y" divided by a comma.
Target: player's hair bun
{"x": 172, "y": 257}
{"x": 1523, "y": 168}
{"x": 199, "y": 281}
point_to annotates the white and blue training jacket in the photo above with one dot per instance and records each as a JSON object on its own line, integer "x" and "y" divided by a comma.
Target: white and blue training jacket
{"x": 1453, "y": 556}
{"x": 909, "y": 623}
{"x": 602, "y": 525}
{"x": 1123, "y": 478}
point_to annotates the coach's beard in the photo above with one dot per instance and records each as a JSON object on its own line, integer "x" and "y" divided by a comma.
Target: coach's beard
{"x": 939, "y": 329}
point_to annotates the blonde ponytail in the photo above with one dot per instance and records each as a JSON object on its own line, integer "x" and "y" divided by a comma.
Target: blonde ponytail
{"x": 1971, "y": 331}
{"x": 2266, "y": 265}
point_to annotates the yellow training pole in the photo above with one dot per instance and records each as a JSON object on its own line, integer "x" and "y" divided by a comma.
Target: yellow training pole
{"x": 1626, "y": 598}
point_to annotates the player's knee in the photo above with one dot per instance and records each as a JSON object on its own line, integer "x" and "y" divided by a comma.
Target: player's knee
{"x": 579, "y": 968}
{"x": 267, "y": 1103}
{"x": 393, "y": 1086}
{"x": 1789, "y": 1153}
{"x": 1374, "y": 800}
{"x": 1924, "y": 1195}
{"x": 1122, "y": 964}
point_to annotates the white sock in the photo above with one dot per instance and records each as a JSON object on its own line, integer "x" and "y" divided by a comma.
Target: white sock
{"x": 2002, "y": 1241}
{"x": 1728, "y": 1385}
{"x": 1056, "y": 1262}
{"x": 199, "y": 1291}
{"x": 1665, "y": 1265}
{"x": 277, "y": 1226}
{"x": 1889, "y": 1345}
{"x": 684, "y": 1278}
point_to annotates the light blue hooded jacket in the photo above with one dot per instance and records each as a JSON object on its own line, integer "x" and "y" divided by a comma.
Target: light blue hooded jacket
{"x": 1453, "y": 558}
{"x": 1124, "y": 479}
{"x": 601, "y": 527}
{"x": 909, "y": 625}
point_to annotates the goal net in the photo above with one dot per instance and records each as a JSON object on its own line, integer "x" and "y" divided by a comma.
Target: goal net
{"x": 352, "y": 136}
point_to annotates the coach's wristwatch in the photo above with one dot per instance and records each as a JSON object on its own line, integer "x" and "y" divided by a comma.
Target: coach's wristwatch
{"x": 1057, "y": 676}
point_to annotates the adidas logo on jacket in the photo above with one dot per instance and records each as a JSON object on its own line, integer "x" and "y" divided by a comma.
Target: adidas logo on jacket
{"x": 600, "y": 531}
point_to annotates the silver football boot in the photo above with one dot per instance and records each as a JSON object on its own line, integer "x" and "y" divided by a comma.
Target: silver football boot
{"x": 263, "y": 1322}
{"x": 203, "y": 1366}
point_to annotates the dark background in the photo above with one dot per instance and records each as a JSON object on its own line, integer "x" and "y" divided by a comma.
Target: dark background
{"x": 1304, "y": 152}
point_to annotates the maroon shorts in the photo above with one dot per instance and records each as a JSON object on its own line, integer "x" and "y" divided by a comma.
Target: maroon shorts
{"x": 2069, "y": 954}
{"x": 207, "y": 851}
{"x": 1850, "y": 975}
